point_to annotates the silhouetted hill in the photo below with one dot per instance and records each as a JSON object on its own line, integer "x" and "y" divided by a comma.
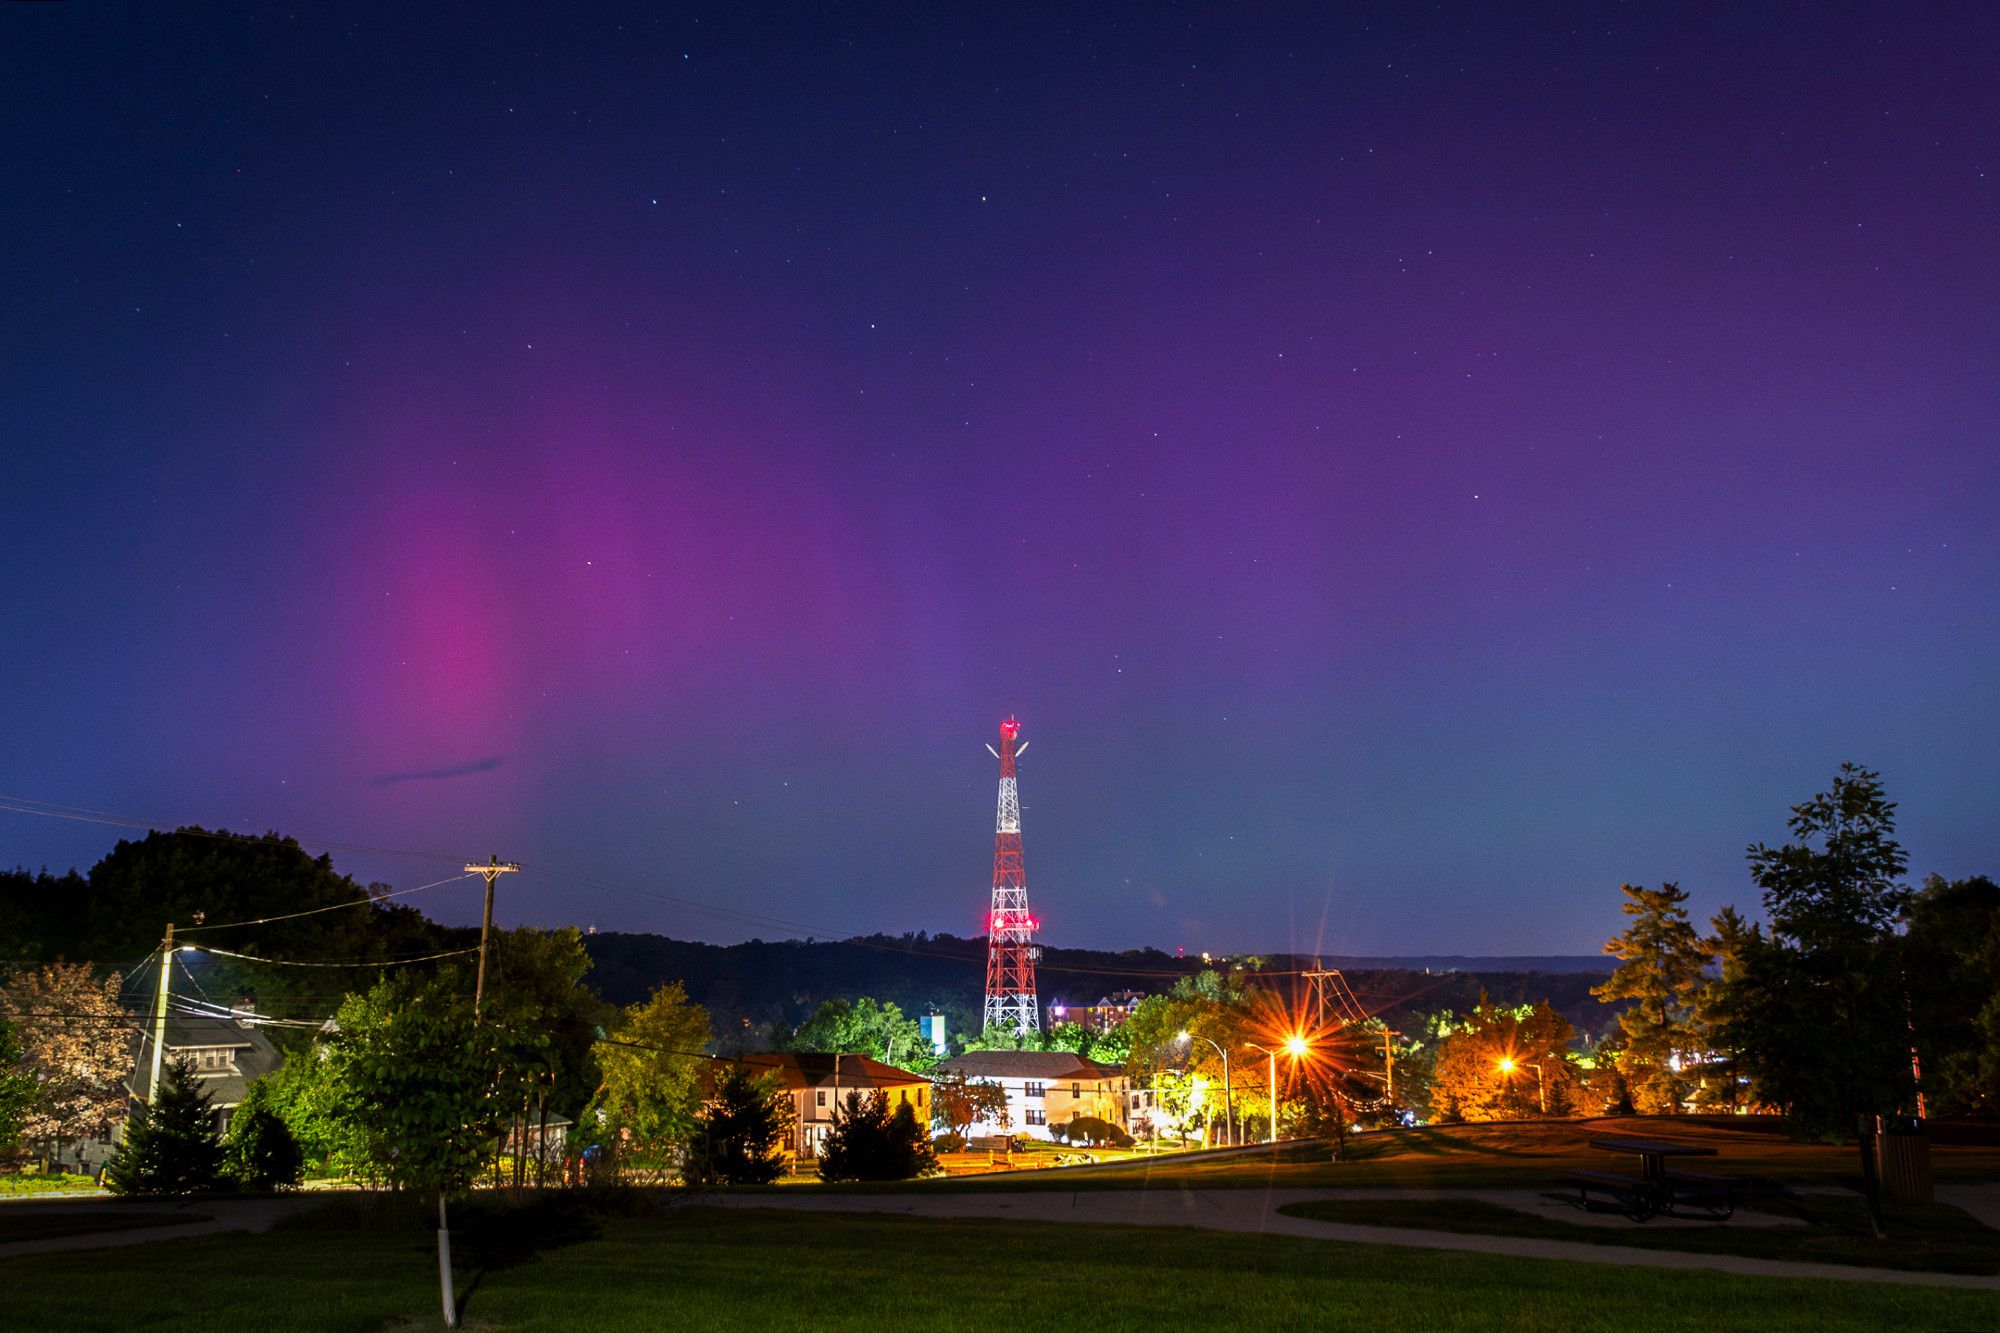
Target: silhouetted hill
{"x": 761, "y": 981}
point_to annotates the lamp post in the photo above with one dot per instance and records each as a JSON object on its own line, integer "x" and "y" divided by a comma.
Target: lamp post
{"x": 1228, "y": 1093}
{"x": 1294, "y": 1046}
{"x": 1507, "y": 1067}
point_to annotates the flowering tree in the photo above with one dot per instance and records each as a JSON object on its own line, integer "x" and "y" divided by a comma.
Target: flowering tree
{"x": 75, "y": 1041}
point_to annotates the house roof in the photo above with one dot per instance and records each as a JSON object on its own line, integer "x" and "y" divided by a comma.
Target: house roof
{"x": 1050, "y": 1066}
{"x": 815, "y": 1069}
{"x": 250, "y": 1051}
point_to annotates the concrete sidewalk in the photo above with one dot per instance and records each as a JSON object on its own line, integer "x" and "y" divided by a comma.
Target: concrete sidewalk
{"x": 1257, "y": 1211}
{"x": 216, "y": 1216}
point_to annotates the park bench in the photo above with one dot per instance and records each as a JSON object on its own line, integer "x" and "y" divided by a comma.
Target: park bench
{"x": 1714, "y": 1195}
{"x": 1629, "y": 1191}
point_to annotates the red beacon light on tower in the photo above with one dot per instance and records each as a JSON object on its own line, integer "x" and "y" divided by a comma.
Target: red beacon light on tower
{"x": 1010, "y": 729}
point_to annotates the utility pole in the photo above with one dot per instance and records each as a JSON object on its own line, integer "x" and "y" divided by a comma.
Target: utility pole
{"x": 492, "y": 870}
{"x": 167, "y": 952}
{"x": 1389, "y": 1065}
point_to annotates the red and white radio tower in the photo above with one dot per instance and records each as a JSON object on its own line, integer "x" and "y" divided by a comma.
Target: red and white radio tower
{"x": 1010, "y": 931}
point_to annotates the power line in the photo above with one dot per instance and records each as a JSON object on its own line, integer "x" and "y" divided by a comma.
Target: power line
{"x": 28, "y": 805}
{"x": 314, "y": 911}
{"x": 349, "y": 963}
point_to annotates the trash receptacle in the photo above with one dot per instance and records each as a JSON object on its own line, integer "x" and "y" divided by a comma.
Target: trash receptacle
{"x": 1903, "y": 1156}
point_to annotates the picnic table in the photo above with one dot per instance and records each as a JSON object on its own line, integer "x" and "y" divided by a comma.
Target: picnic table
{"x": 1656, "y": 1189}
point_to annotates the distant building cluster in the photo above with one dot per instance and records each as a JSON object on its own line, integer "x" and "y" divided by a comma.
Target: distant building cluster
{"x": 1107, "y": 1015}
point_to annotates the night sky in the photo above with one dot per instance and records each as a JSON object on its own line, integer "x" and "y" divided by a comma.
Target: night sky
{"x": 1409, "y": 470}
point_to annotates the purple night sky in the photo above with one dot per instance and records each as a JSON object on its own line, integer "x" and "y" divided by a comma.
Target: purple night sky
{"x": 1409, "y": 471}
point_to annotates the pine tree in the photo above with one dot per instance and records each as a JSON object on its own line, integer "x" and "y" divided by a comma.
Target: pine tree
{"x": 742, "y": 1131}
{"x": 170, "y": 1145}
{"x": 1661, "y": 966}
{"x": 869, "y": 1142}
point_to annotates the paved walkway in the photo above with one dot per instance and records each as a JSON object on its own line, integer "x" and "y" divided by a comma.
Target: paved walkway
{"x": 1257, "y": 1211}
{"x": 217, "y": 1216}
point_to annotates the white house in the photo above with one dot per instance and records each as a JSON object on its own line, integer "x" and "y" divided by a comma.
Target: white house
{"x": 1046, "y": 1090}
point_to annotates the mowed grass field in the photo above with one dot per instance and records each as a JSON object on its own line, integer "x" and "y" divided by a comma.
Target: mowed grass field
{"x": 1515, "y": 1154}
{"x": 696, "y": 1268}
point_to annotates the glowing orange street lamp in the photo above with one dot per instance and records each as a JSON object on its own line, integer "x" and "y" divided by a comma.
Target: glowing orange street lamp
{"x": 1507, "y": 1067}
{"x": 1296, "y": 1047}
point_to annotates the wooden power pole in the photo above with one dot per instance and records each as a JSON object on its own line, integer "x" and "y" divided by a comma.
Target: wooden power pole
{"x": 492, "y": 870}
{"x": 167, "y": 952}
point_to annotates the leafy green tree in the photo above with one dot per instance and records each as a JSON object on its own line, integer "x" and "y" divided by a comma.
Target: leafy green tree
{"x": 870, "y": 1142}
{"x": 546, "y": 1022}
{"x": 1507, "y": 1063}
{"x": 743, "y": 1130}
{"x": 259, "y": 1151}
{"x": 1187, "y": 1029}
{"x": 416, "y": 1083}
{"x": 1951, "y": 964}
{"x": 1660, "y": 970}
{"x": 170, "y": 1145}
{"x": 202, "y": 879}
{"x": 865, "y": 1027}
{"x": 652, "y": 1067}
{"x": 304, "y": 1092}
{"x": 1819, "y": 1016}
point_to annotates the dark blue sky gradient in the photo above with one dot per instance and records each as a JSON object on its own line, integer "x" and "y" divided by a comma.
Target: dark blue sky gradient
{"x": 1409, "y": 471}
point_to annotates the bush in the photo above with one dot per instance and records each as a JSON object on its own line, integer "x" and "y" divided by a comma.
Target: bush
{"x": 259, "y": 1152}
{"x": 1090, "y": 1129}
{"x": 170, "y": 1146}
{"x": 951, "y": 1141}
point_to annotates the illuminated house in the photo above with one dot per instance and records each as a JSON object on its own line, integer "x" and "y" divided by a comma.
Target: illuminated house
{"x": 818, "y": 1082}
{"x": 1046, "y": 1090}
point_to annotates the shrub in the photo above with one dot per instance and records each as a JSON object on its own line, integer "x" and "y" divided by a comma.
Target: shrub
{"x": 259, "y": 1152}
{"x": 1090, "y": 1129}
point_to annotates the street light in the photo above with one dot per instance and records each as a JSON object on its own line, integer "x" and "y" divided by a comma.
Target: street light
{"x": 1294, "y": 1046}
{"x": 1228, "y": 1092}
{"x": 1507, "y": 1067}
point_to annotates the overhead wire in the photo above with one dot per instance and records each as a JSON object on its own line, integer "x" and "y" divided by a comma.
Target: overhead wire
{"x": 346, "y": 963}
{"x": 368, "y": 901}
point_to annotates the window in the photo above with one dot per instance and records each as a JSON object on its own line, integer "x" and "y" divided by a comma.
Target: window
{"x": 1032, "y": 1090}
{"x": 1076, "y": 1089}
{"x": 1035, "y": 1117}
{"x": 819, "y": 1098}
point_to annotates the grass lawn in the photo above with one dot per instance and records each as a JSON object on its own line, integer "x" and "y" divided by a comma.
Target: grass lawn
{"x": 712, "y": 1269}
{"x": 1926, "y": 1237}
{"x": 37, "y": 1185}
{"x": 1516, "y": 1154}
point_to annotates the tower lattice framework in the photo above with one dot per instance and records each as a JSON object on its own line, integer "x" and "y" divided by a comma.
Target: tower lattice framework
{"x": 1010, "y": 930}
